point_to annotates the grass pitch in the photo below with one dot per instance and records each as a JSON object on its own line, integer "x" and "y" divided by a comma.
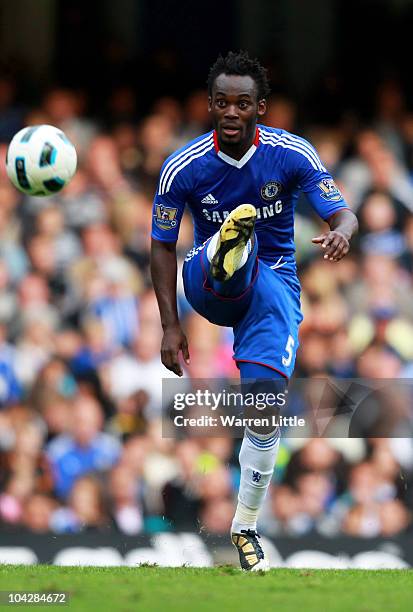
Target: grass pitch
{"x": 219, "y": 589}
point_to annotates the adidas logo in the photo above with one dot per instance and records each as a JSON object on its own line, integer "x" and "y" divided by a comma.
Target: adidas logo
{"x": 209, "y": 199}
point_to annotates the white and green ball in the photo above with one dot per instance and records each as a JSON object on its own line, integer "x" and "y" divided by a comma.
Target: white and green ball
{"x": 40, "y": 160}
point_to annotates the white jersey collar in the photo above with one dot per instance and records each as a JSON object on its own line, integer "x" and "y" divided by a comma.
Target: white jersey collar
{"x": 237, "y": 163}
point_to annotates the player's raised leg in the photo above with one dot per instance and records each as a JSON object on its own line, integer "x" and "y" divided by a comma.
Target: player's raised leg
{"x": 219, "y": 275}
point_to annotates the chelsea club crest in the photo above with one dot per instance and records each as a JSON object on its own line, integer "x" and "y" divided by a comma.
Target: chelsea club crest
{"x": 271, "y": 190}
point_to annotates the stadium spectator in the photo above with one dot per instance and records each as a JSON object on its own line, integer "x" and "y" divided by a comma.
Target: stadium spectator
{"x": 85, "y": 509}
{"x": 37, "y": 513}
{"x": 85, "y": 449}
{"x": 124, "y": 494}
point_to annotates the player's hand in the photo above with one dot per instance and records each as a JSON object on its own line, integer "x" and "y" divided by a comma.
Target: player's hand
{"x": 174, "y": 341}
{"x": 334, "y": 243}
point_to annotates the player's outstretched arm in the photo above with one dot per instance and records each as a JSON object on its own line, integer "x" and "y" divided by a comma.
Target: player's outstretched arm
{"x": 163, "y": 271}
{"x": 336, "y": 243}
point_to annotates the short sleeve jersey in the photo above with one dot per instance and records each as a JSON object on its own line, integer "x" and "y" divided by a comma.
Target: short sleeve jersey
{"x": 270, "y": 176}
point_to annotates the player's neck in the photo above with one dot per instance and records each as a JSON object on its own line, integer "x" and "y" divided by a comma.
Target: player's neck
{"x": 236, "y": 150}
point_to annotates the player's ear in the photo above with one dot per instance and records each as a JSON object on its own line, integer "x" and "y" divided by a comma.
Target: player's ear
{"x": 261, "y": 107}
{"x": 209, "y": 104}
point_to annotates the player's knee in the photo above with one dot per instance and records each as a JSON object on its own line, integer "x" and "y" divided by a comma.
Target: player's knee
{"x": 264, "y": 400}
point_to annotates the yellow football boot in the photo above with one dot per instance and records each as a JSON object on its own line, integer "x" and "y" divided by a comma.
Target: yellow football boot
{"x": 234, "y": 234}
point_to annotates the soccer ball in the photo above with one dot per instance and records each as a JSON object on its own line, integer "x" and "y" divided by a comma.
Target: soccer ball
{"x": 40, "y": 160}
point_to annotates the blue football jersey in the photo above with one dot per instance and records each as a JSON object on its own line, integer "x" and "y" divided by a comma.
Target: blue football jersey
{"x": 270, "y": 176}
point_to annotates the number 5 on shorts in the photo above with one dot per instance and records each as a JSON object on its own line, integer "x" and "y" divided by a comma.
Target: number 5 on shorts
{"x": 289, "y": 350}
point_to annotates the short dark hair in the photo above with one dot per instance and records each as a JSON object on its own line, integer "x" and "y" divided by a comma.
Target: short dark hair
{"x": 241, "y": 64}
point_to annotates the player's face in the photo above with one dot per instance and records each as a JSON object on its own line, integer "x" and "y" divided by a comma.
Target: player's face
{"x": 234, "y": 108}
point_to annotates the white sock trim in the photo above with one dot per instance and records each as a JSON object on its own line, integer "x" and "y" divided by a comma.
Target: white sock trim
{"x": 245, "y": 255}
{"x": 212, "y": 246}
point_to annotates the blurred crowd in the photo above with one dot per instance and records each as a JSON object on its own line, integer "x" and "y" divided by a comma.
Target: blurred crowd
{"x": 80, "y": 372}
